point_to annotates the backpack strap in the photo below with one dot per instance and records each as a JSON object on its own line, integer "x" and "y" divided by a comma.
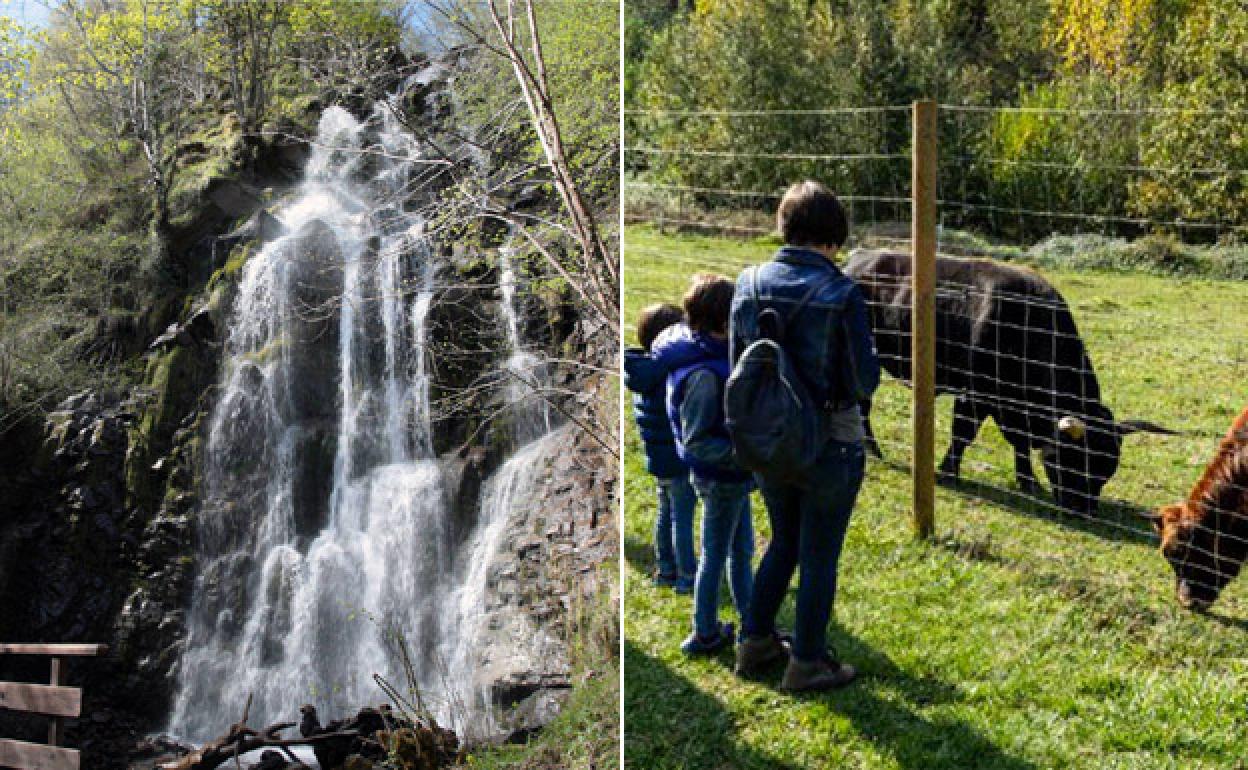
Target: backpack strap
{"x": 766, "y": 319}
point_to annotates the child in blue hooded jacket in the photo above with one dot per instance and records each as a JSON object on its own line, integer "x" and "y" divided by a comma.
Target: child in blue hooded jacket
{"x": 696, "y": 357}
{"x": 673, "y": 525}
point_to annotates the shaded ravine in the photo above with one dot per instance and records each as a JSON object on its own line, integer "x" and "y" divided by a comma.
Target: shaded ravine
{"x": 325, "y": 533}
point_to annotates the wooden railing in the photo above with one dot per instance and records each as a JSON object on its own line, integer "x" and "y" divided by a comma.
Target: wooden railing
{"x": 52, "y": 699}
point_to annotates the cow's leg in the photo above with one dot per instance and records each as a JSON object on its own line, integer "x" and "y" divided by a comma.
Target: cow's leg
{"x": 872, "y": 445}
{"x": 966, "y": 422}
{"x": 1024, "y": 474}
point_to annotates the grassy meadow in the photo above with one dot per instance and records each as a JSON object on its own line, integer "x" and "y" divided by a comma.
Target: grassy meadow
{"x": 1017, "y": 638}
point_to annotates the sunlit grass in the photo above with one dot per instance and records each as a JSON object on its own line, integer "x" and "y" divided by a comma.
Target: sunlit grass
{"x": 1017, "y": 638}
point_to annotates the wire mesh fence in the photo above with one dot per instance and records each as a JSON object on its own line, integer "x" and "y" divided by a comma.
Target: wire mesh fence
{"x": 1113, "y": 398}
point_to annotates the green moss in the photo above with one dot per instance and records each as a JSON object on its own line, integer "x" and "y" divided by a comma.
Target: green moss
{"x": 217, "y": 152}
{"x": 176, "y": 378}
{"x": 238, "y": 259}
{"x": 267, "y": 354}
{"x": 231, "y": 271}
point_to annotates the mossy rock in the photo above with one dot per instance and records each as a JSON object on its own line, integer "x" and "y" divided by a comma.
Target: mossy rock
{"x": 177, "y": 378}
{"x": 203, "y": 157}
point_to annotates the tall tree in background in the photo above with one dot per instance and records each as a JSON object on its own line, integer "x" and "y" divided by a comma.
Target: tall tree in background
{"x": 132, "y": 62}
{"x": 247, "y": 51}
{"x": 539, "y": 102}
{"x": 1087, "y": 72}
{"x": 554, "y": 63}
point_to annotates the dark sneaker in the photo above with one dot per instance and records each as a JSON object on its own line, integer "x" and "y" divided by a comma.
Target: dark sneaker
{"x": 708, "y": 645}
{"x": 822, "y": 674}
{"x": 755, "y": 655}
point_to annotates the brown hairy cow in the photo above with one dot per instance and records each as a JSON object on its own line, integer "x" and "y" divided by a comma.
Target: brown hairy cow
{"x": 1205, "y": 539}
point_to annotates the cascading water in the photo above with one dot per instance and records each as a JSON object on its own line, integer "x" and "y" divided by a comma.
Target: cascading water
{"x": 467, "y": 658}
{"x": 324, "y": 526}
{"x": 530, "y": 415}
{"x": 510, "y": 488}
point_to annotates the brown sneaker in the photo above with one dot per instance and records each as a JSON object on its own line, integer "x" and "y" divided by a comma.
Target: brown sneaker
{"x": 822, "y": 674}
{"x": 757, "y": 654}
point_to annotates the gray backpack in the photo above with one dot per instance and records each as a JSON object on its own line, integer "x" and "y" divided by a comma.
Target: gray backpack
{"x": 769, "y": 413}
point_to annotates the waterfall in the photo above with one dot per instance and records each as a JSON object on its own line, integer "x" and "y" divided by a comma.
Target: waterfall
{"x": 530, "y": 413}
{"x": 464, "y": 649}
{"x": 510, "y": 488}
{"x": 324, "y": 530}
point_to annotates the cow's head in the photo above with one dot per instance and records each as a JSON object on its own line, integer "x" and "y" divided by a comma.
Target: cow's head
{"x": 1200, "y": 550}
{"x": 1083, "y": 454}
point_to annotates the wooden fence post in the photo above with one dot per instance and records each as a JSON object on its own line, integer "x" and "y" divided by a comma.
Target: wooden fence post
{"x": 55, "y": 724}
{"x": 923, "y": 315}
{"x": 53, "y": 700}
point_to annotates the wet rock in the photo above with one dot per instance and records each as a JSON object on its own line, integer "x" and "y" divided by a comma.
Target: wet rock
{"x": 534, "y": 712}
{"x": 273, "y": 760}
{"x": 199, "y": 329}
{"x": 558, "y": 535}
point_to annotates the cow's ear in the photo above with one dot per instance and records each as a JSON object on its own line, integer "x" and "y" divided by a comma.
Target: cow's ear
{"x": 1127, "y": 427}
{"x": 1072, "y": 427}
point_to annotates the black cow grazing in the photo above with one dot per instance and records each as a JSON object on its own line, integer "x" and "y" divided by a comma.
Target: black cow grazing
{"x": 1007, "y": 348}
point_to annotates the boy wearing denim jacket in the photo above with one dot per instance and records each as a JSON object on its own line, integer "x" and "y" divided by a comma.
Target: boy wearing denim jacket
{"x": 831, "y": 348}
{"x": 696, "y": 357}
{"x": 673, "y": 526}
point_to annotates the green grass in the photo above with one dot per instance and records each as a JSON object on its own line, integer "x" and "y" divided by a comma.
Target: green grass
{"x": 1015, "y": 638}
{"x": 584, "y": 736}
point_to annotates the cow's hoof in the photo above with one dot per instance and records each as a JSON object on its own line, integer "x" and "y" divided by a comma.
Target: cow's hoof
{"x": 946, "y": 479}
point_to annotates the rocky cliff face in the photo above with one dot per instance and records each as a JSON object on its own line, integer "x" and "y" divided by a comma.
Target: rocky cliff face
{"x": 97, "y": 540}
{"x": 556, "y": 541}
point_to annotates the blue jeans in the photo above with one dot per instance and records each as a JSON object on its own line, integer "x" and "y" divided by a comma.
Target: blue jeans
{"x": 673, "y": 528}
{"x": 808, "y": 529}
{"x": 727, "y": 540}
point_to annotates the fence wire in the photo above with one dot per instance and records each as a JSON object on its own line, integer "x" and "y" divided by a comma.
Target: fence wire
{"x": 1013, "y": 348}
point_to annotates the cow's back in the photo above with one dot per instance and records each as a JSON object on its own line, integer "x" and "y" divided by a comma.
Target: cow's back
{"x": 1002, "y": 331}
{"x": 1224, "y": 484}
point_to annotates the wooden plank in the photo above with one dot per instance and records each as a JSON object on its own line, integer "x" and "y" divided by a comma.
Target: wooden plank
{"x": 32, "y": 756}
{"x": 923, "y": 339}
{"x": 53, "y": 649}
{"x": 41, "y": 699}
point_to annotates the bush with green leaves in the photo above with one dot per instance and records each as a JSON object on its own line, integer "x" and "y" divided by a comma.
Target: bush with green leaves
{"x": 1130, "y": 122}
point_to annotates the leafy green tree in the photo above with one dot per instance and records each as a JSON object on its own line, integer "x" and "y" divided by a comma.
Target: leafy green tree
{"x": 741, "y": 55}
{"x": 970, "y": 51}
{"x": 1064, "y": 163}
{"x": 130, "y": 62}
{"x": 1198, "y": 143}
{"x": 15, "y": 53}
{"x": 1121, "y": 39}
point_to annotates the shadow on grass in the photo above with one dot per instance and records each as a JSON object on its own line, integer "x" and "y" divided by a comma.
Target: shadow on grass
{"x": 639, "y": 553}
{"x": 1117, "y": 520}
{"x": 896, "y": 727}
{"x": 1228, "y": 621}
{"x": 669, "y": 722}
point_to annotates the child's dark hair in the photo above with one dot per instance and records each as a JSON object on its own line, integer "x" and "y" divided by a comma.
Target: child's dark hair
{"x": 708, "y": 303}
{"x": 810, "y": 215}
{"x": 654, "y": 319}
